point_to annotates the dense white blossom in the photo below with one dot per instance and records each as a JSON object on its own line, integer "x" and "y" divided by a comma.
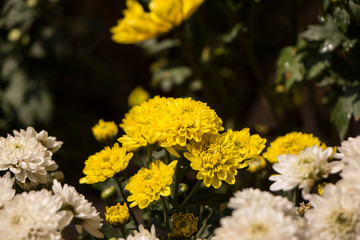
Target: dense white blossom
{"x": 86, "y": 215}
{"x": 7, "y": 191}
{"x": 142, "y": 234}
{"x": 303, "y": 170}
{"x": 34, "y": 215}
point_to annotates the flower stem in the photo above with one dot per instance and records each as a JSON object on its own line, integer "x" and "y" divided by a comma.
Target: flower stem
{"x": 176, "y": 183}
{"x": 166, "y": 214}
{"x": 138, "y": 157}
{"x": 149, "y": 155}
{"x": 203, "y": 227}
{"x": 122, "y": 231}
{"x": 197, "y": 185}
{"x": 122, "y": 192}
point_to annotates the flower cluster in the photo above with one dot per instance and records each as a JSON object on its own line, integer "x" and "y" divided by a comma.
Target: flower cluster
{"x": 139, "y": 25}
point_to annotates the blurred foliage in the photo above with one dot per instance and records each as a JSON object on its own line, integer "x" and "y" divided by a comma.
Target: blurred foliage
{"x": 329, "y": 54}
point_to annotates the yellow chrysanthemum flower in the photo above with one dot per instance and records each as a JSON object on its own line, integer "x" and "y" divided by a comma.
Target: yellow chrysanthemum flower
{"x": 216, "y": 158}
{"x": 148, "y": 185}
{"x": 117, "y": 215}
{"x": 137, "y": 96}
{"x": 168, "y": 122}
{"x": 250, "y": 145}
{"x": 291, "y": 143}
{"x": 105, "y": 164}
{"x": 183, "y": 225}
{"x": 139, "y": 25}
{"x": 104, "y": 131}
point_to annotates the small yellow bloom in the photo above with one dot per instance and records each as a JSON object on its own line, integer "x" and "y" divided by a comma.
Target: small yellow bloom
{"x": 183, "y": 225}
{"x": 291, "y": 143}
{"x": 256, "y": 163}
{"x": 137, "y": 96}
{"x": 139, "y": 25}
{"x": 148, "y": 185}
{"x": 104, "y": 131}
{"x": 105, "y": 164}
{"x": 117, "y": 215}
{"x": 216, "y": 158}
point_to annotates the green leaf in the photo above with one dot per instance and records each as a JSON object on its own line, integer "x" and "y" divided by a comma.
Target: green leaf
{"x": 110, "y": 232}
{"x": 290, "y": 66}
{"x": 345, "y": 107}
{"x": 329, "y": 33}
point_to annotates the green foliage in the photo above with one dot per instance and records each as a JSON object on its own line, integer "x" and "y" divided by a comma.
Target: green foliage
{"x": 327, "y": 53}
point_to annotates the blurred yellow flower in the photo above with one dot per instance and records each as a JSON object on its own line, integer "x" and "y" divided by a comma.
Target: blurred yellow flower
{"x": 216, "y": 158}
{"x": 168, "y": 122}
{"x": 256, "y": 163}
{"x": 104, "y": 131}
{"x": 105, "y": 164}
{"x": 117, "y": 215}
{"x": 148, "y": 185}
{"x": 291, "y": 143}
{"x": 137, "y": 96}
{"x": 139, "y": 25}
{"x": 183, "y": 225}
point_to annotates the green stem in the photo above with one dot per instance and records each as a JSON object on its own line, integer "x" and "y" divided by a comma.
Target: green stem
{"x": 122, "y": 192}
{"x": 203, "y": 227}
{"x": 166, "y": 214}
{"x": 295, "y": 196}
{"x": 149, "y": 155}
{"x": 122, "y": 231}
{"x": 188, "y": 197}
{"x": 176, "y": 183}
{"x": 138, "y": 157}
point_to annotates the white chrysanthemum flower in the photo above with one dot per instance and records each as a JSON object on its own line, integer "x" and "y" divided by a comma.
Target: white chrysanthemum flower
{"x": 26, "y": 158}
{"x": 349, "y": 150}
{"x": 257, "y": 223}
{"x": 86, "y": 216}
{"x": 335, "y": 215}
{"x": 303, "y": 170}
{"x": 7, "y": 191}
{"x": 34, "y": 215}
{"x": 49, "y": 142}
{"x": 143, "y": 234}
{"x": 251, "y": 197}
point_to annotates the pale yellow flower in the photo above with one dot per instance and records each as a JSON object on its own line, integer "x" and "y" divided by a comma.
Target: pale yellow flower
{"x": 139, "y": 25}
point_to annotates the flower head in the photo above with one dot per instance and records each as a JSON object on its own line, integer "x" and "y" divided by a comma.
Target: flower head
{"x": 168, "y": 122}
{"x": 7, "y": 191}
{"x": 105, "y": 164}
{"x": 292, "y": 143}
{"x": 253, "y": 197}
{"x": 335, "y": 215}
{"x": 183, "y": 225}
{"x": 303, "y": 170}
{"x": 104, "y": 131}
{"x": 137, "y": 96}
{"x": 139, "y": 25}
{"x": 148, "y": 185}
{"x": 33, "y": 215}
{"x": 216, "y": 158}
{"x": 255, "y": 212}
{"x": 26, "y": 157}
{"x": 117, "y": 215}
{"x": 47, "y": 141}
{"x": 85, "y": 214}
{"x": 142, "y": 234}
{"x": 349, "y": 150}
